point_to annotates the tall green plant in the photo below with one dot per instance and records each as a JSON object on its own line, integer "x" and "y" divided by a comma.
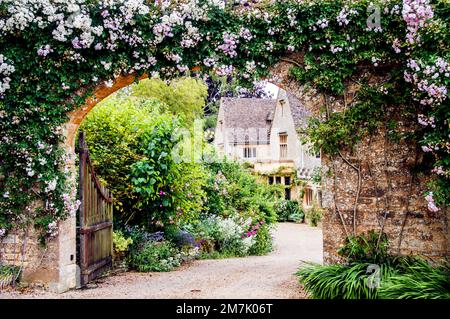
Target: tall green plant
{"x": 342, "y": 281}
{"x": 420, "y": 281}
{"x": 314, "y": 215}
{"x": 367, "y": 247}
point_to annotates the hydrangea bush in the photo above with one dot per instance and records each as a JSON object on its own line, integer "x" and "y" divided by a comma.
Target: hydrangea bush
{"x": 53, "y": 54}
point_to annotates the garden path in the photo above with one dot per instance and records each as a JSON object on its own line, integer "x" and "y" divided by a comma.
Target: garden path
{"x": 269, "y": 276}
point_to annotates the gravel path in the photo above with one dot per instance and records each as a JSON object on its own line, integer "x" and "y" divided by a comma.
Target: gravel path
{"x": 268, "y": 276}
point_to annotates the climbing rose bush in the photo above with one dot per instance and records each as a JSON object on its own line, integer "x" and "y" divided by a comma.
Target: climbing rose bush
{"x": 54, "y": 53}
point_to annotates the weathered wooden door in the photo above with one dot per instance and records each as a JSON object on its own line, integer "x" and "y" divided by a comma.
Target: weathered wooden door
{"x": 95, "y": 220}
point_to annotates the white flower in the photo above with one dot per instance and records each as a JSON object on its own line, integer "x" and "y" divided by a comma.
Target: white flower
{"x": 106, "y": 65}
{"x": 51, "y": 185}
{"x": 6, "y": 69}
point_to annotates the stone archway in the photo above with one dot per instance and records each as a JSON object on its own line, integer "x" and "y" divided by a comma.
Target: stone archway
{"x": 369, "y": 188}
{"x": 348, "y": 192}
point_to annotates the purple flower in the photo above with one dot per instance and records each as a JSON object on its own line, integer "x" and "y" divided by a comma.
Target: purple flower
{"x": 76, "y": 43}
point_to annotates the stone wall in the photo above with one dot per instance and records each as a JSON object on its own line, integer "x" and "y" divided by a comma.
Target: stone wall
{"x": 53, "y": 266}
{"x": 389, "y": 194}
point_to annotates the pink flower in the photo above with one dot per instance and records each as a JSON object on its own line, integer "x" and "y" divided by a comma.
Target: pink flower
{"x": 426, "y": 149}
{"x": 431, "y": 204}
{"x": 432, "y": 207}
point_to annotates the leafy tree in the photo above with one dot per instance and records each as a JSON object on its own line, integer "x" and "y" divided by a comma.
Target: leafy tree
{"x": 184, "y": 97}
{"x": 130, "y": 141}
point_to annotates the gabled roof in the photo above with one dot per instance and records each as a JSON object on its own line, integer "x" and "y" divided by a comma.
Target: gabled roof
{"x": 299, "y": 113}
{"x": 248, "y": 119}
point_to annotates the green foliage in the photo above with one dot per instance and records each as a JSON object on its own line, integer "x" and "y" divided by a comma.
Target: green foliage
{"x": 314, "y": 215}
{"x": 341, "y": 281}
{"x": 345, "y": 129}
{"x": 231, "y": 237}
{"x": 371, "y": 247}
{"x": 112, "y": 131}
{"x": 263, "y": 243}
{"x": 420, "y": 281}
{"x": 289, "y": 210}
{"x": 156, "y": 256}
{"x": 9, "y": 275}
{"x": 184, "y": 97}
{"x": 131, "y": 142}
{"x": 121, "y": 243}
{"x": 398, "y": 278}
{"x": 233, "y": 190}
{"x": 395, "y": 277}
{"x": 317, "y": 175}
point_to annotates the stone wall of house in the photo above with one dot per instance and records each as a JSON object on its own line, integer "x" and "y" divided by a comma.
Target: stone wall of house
{"x": 389, "y": 196}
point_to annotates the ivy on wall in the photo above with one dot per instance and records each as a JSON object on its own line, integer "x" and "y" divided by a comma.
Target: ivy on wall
{"x": 53, "y": 53}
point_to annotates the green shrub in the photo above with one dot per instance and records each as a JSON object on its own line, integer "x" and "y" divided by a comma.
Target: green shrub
{"x": 289, "y": 210}
{"x": 183, "y": 96}
{"x": 314, "y": 215}
{"x": 231, "y": 237}
{"x": 419, "y": 281}
{"x": 263, "y": 242}
{"x": 233, "y": 191}
{"x": 368, "y": 247}
{"x": 156, "y": 256}
{"x": 121, "y": 243}
{"x": 372, "y": 247}
{"x": 228, "y": 236}
{"x": 131, "y": 143}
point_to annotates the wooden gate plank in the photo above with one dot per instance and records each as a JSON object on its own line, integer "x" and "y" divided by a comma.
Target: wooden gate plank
{"x": 95, "y": 219}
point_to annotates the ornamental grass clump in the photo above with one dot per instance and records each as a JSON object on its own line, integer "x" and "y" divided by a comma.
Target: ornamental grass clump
{"x": 342, "y": 281}
{"x": 370, "y": 272}
{"x": 421, "y": 281}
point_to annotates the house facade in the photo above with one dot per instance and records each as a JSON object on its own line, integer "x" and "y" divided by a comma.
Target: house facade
{"x": 265, "y": 134}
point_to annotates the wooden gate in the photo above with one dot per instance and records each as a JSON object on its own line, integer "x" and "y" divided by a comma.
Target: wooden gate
{"x": 95, "y": 220}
